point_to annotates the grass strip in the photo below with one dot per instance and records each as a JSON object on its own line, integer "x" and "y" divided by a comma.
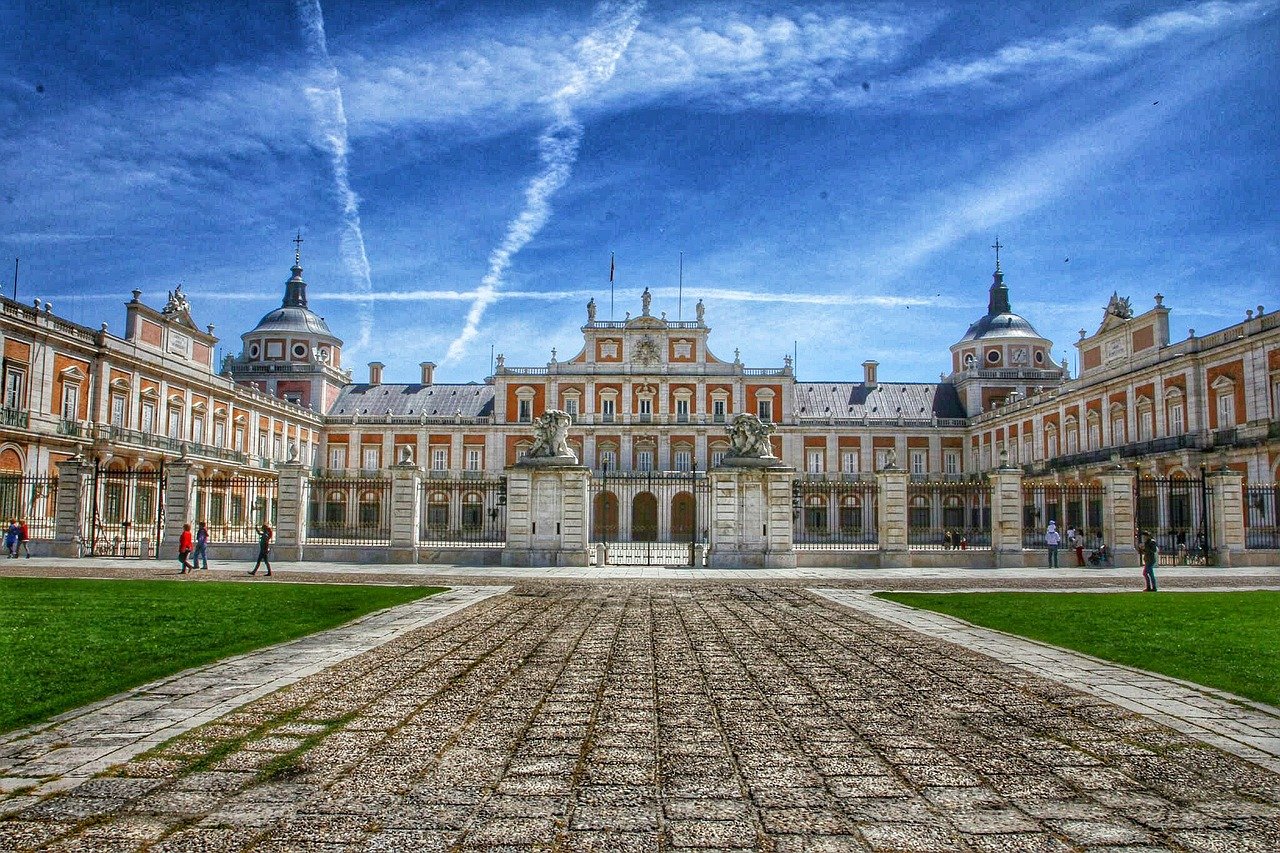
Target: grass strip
{"x": 1227, "y": 640}
{"x": 65, "y": 643}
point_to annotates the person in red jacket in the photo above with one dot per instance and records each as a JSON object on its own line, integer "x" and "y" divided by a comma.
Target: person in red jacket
{"x": 184, "y": 548}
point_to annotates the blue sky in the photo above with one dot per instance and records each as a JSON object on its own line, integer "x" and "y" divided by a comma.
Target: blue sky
{"x": 833, "y": 173}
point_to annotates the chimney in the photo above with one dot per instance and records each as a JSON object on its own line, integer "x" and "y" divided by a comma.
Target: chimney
{"x": 428, "y": 372}
{"x": 869, "y": 373}
{"x": 375, "y": 372}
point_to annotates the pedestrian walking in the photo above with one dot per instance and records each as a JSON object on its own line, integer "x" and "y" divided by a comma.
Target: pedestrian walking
{"x": 201, "y": 558}
{"x": 1077, "y": 545}
{"x": 264, "y": 550}
{"x": 1052, "y": 539}
{"x": 11, "y": 538}
{"x": 23, "y": 535}
{"x": 1149, "y": 554}
{"x": 184, "y": 549}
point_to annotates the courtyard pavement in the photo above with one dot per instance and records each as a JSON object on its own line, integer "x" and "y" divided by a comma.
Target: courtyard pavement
{"x": 575, "y": 714}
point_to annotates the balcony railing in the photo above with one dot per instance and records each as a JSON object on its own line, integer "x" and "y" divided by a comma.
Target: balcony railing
{"x": 13, "y": 418}
{"x": 121, "y": 435}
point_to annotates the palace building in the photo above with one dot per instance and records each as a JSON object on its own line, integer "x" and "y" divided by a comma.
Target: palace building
{"x": 646, "y": 394}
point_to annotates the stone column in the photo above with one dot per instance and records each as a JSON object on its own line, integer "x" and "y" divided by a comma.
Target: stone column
{"x": 751, "y": 520}
{"x": 1006, "y": 515}
{"x": 179, "y": 504}
{"x": 1119, "y": 515}
{"x": 406, "y": 511}
{"x": 1226, "y": 514}
{"x": 70, "y": 512}
{"x": 291, "y": 514}
{"x": 895, "y": 552}
{"x": 546, "y": 515}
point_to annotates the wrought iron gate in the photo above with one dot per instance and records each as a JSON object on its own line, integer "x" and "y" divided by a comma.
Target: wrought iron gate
{"x": 1176, "y": 512}
{"x": 124, "y": 507}
{"x": 650, "y": 518}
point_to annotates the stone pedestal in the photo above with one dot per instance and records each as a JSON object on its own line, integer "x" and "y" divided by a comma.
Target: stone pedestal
{"x": 547, "y": 515}
{"x": 895, "y": 550}
{"x": 1006, "y": 517}
{"x": 1226, "y": 514}
{"x": 751, "y": 521}
{"x": 1119, "y": 517}
{"x": 179, "y": 503}
{"x": 406, "y": 512}
{"x": 291, "y": 512}
{"x": 70, "y": 511}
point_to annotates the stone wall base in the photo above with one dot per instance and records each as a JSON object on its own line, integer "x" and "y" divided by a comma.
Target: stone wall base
{"x": 544, "y": 557}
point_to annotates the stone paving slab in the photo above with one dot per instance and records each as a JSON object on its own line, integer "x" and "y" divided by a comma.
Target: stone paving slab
{"x": 68, "y": 749}
{"x": 667, "y": 717}
{"x": 1240, "y": 726}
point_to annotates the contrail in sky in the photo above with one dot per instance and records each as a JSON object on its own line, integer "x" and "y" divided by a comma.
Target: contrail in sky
{"x": 598, "y": 54}
{"x": 331, "y": 119}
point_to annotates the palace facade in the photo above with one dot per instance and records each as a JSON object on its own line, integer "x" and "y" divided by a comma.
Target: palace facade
{"x": 645, "y": 393}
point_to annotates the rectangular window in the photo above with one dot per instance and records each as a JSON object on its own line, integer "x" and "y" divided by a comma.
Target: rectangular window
{"x": 608, "y": 460}
{"x": 147, "y": 422}
{"x": 1177, "y": 425}
{"x": 219, "y": 434}
{"x": 1095, "y": 436}
{"x": 1226, "y": 410}
{"x": 371, "y": 457}
{"x": 197, "y": 430}
{"x": 764, "y": 410}
{"x": 608, "y": 410}
{"x": 175, "y": 424}
{"x": 262, "y": 443}
{"x": 882, "y": 458}
{"x": 525, "y": 411}
{"x": 337, "y": 457}
{"x": 644, "y": 460}
{"x": 918, "y": 460}
{"x": 717, "y": 411}
{"x": 117, "y": 410}
{"x": 1072, "y": 441}
{"x": 813, "y": 461}
{"x": 70, "y": 402}
{"x": 473, "y": 456}
{"x": 239, "y": 436}
{"x": 684, "y": 460}
{"x": 951, "y": 462}
{"x": 682, "y": 410}
{"x": 571, "y": 407}
{"x": 849, "y": 462}
{"x": 14, "y": 380}
{"x": 646, "y": 410}
{"x": 277, "y": 447}
{"x": 439, "y": 458}
{"x": 717, "y": 457}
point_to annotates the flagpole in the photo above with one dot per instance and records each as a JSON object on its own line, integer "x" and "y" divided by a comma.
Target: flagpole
{"x": 611, "y": 285}
{"x": 680, "y": 297}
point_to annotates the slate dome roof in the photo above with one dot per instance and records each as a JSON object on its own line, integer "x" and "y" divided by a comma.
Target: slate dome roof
{"x": 1000, "y": 321}
{"x": 293, "y": 315}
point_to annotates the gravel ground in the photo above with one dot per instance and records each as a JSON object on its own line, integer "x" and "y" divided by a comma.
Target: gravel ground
{"x": 667, "y": 716}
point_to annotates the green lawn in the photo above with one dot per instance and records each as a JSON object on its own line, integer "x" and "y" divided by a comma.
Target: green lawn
{"x": 1228, "y": 640}
{"x": 64, "y": 643}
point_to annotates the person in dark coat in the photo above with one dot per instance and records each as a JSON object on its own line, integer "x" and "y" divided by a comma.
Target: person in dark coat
{"x": 1149, "y": 554}
{"x": 264, "y": 550}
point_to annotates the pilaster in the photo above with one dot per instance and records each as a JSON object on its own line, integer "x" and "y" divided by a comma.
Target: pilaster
{"x": 1226, "y": 514}
{"x": 70, "y": 512}
{"x": 291, "y": 516}
{"x": 1006, "y": 516}
{"x": 751, "y": 520}
{"x": 895, "y": 551}
{"x": 1118, "y": 515}
{"x": 406, "y": 511}
{"x": 546, "y": 515}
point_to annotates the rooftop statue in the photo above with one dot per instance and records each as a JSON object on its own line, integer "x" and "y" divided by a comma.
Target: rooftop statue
{"x": 749, "y": 444}
{"x": 551, "y": 440}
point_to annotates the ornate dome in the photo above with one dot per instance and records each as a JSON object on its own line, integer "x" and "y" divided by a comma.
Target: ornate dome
{"x": 1000, "y": 321}
{"x": 293, "y": 316}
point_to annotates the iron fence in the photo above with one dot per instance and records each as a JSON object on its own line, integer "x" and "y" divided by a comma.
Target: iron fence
{"x": 1175, "y": 511}
{"x": 1262, "y": 517}
{"x": 650, "y": 517}
{"x": 942, "y": 516}
{"x": 472, "y": 510}
{"x": 235, "y": 508}
{"x": 839, "y": 514}
{"x": 345, "y": 511}
{"x": 1073, "y": 506}
{"x": 123, "y": 509}
{"x": 32, "y": 500}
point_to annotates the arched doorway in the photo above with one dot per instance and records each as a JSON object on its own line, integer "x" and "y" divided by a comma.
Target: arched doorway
{"x": 644, "y": 518}
{"x": 604, "y": 517}
{"x": 682, "y": 514}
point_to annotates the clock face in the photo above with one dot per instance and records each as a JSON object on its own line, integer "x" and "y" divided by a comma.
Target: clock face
{"x": 1020, "y": 355}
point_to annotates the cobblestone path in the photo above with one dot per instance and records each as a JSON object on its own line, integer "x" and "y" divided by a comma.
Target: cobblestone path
{"x": 611, "y": 717}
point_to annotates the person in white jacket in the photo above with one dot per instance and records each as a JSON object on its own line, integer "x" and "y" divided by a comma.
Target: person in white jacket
{"x": 1052, "y": 539}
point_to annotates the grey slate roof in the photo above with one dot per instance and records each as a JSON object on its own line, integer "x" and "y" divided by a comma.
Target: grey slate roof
{"x": 886, "y": 402}
{"x": 1003, "y": 325}
{"x": 439, "y": 400}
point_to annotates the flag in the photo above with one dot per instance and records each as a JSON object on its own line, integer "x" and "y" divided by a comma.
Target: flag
{"x": 611, "y": 266}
